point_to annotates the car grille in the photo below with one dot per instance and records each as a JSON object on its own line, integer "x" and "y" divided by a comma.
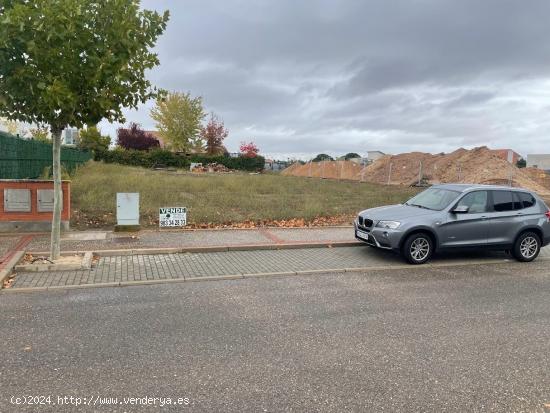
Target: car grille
{"x": 365, "y": 222}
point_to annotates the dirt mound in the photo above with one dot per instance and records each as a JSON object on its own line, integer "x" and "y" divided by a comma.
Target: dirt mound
{"x": 327, "y": 169}
{"x": 480, "y": 165}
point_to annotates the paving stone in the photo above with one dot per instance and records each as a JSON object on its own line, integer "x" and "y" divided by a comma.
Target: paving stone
{"x": 115, "y": 269}
{"x": 7, "y": 243}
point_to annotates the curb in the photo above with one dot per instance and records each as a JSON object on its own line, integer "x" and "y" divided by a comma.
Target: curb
{"x": 85, "y": 264}
{"x": 216, "y": 248}
{"x": 8, "y": 268}
{"x": 149, "y": 229}
{"x": 257, "y": 275}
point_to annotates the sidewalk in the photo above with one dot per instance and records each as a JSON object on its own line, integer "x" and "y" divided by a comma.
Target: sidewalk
{"x": 97, "y": 241}
{"x": 127, "y": 270}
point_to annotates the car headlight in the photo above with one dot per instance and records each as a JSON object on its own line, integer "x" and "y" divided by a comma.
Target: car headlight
{"x": 388, "y": 224}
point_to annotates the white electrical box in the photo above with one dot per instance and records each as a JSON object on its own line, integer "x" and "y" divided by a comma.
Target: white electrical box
{"x": 127, "y": 208}
{"x": 17, "y": 200}
{"x": 45, "y": 200}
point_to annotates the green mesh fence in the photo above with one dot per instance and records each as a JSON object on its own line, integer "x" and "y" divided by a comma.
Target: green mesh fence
{"x": 27, "y": 159}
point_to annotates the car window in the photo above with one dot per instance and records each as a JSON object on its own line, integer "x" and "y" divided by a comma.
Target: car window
{"x": 528, "y": 200}
{"x": 433, "y": 198}
{"x": 475, "y": 201}
{"x": 517, "y": 202}
{"x": 503, "y": 201}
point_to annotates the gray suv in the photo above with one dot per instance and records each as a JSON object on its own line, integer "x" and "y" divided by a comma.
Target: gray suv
{"x": 454, "y": 216}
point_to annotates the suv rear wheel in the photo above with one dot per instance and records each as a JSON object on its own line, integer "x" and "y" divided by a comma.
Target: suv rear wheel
{"x": 418, "y": 248}
{"x": 527, "y": 247}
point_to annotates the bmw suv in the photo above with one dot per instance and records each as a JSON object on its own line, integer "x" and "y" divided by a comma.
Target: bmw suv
{"x": 452, "y": 216}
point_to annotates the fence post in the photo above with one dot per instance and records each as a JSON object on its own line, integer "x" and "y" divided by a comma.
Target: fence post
{"x": 389, "y": 173}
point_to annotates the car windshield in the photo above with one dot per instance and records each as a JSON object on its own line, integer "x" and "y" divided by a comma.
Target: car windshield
{"x": 436, "y": 199}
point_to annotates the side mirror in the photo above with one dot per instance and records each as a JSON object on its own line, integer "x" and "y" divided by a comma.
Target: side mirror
{"x": 461, "y": 209}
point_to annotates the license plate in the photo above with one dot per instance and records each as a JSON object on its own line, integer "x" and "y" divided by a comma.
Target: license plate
{"x": 362, "y": 234}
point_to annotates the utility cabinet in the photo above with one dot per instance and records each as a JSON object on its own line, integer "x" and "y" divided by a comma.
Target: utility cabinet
{"x": 45, "y": 199}
{"x": 27, "y": 205}
{"x": 127, "y": 208}
{"x": 17, "y": 200}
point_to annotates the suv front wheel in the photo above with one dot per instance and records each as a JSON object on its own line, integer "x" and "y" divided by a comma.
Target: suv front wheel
{"x": 527, "y": 247}
{"x": 418, "y": 248}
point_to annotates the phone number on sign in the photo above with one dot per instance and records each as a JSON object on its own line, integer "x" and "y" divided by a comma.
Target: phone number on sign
{"x": 172, "y": 223}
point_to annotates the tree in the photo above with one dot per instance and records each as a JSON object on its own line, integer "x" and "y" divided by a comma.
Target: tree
{"x": 322, "y": 157}
{"x": 136, "y": 138}
{"x": 178, "y": 119}
{"x": 351, "y": 155}
{"x": 40, "y": 133}
{"x": 74, "y": 62}
{"x": 12, "y": 126}
{"x": 213, "y": 134}
{"x": 521, "y": 163}
{"x": 91, "y": 139}
{"x": 249, "y": 150}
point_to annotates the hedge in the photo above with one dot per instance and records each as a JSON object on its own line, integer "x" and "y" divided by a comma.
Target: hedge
{"x": 155, "y": 157}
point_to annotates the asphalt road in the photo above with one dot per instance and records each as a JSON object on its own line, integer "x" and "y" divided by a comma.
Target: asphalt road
{"x": 471, "y": 338}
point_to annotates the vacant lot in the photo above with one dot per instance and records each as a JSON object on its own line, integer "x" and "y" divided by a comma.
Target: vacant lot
{"x": 221, "y": 199}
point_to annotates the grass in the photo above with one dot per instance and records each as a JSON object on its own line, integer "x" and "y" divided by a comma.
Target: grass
{"x": 220, "y": 198}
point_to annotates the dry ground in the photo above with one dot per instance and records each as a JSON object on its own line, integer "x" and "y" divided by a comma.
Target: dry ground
{"x": 221, "y": 198}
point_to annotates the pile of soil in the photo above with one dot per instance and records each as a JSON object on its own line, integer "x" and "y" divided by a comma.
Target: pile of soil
{"x": 326, "y": 169}
{"x": 479, "y": 165}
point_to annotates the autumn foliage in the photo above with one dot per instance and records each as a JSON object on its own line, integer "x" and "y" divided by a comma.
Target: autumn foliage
{"x": 249, "y": 150}
{"x": 136, "y": 138}
{"x": 214, "y": 134}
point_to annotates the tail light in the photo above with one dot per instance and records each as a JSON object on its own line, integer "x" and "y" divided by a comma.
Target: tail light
{"x": 547, "y": 215}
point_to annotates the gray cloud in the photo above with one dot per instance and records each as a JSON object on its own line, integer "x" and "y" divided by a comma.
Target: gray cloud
{"x": 353, "y": 75}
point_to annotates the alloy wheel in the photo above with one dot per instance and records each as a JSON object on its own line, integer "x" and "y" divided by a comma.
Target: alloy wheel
{"x": 528, "y": 247}
{"x": 420, "y": 248}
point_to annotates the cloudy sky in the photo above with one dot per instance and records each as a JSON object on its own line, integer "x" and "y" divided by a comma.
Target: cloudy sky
{"x": 338, "y": 76}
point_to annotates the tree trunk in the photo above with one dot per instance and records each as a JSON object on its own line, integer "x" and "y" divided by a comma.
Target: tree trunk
{"x": 57, "y": 203}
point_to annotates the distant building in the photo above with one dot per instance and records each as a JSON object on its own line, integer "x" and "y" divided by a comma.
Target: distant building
{"x": 271, "y": 165}
{"x": 541, "y": 161}
{"x": 374, "y": 155}
{"x": 70, "y": 136}
{"x": 157, "y": 136}
{"x": 508, "y": 155}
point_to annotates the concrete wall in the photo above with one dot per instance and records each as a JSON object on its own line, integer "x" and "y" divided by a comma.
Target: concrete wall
{"x": 541, "y": 161}
{"x": 508, "y": 155}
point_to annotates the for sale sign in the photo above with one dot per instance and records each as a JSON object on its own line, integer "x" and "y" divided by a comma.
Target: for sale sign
{"x": 172, "y": 217}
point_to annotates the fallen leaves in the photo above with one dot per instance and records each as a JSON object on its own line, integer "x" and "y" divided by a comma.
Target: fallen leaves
{"x": 84, "y": 220}
{"x": 281, "y": 223}
{"x": 8, "y": 281}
